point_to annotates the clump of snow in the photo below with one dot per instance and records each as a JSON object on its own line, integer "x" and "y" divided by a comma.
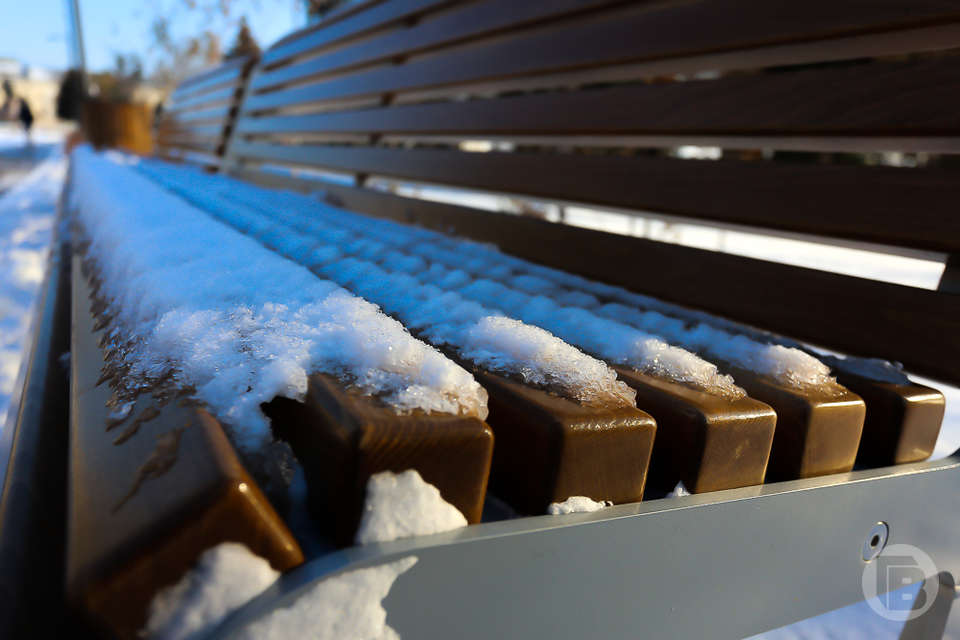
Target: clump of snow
{"x": 787, "y": 365}
{"x": 576, "y": 504}
{"x": 224, "y": 578}
{"x": 679, "y": 491}
{"x": 402, "y": 505}
{"x": 344, "y": 607}
{"x": 27, "y": 213}
{"x": 545, "y": 360}
{"x": 193, "y": 300}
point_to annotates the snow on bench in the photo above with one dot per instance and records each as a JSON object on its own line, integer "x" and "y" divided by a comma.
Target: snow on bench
{"x": 182, "y": 304}
{"x": 542, "y": 390}
{"x": 411, "y": 290}
{"x": 820, "y": 420}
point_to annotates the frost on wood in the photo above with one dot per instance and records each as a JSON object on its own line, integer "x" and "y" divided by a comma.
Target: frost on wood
{"x": 401, "y": 505}
{"x": 343, "y": 607}
{"x": 225, "y": 577}
{"x": 576, "y": 504}
{"x": 193, "y": 301}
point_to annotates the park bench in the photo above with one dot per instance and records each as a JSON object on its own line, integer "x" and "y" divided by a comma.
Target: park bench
{"x": 385, "y": 106}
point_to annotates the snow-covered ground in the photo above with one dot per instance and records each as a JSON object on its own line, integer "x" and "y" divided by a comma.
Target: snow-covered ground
{"x": 27, "y": 212}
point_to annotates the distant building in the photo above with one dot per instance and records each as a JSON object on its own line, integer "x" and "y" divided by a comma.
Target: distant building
{"x": 36, "y": 85}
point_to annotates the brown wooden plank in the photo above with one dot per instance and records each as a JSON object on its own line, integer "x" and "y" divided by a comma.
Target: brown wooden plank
{"x": 342, "y": 437}
{"x": 549, "y": 448}
{"x": 212, "y": 114}
{"x": 638, "y": 32}
{"x": 818, "y": 429}
{"x": 230, "y": 78}
{"x": 208, "y": 145}
{"x": 352, "y": 23}
{"x": 470, "y": 21}
{"x": 853, "y": 315}
{"x": 903, "y": 420}
{"x": 879, "y": 98}
{"x": 173, "y": 128}
{"x": 884, "y": 44}
{"x": 851, "y": 202}
{"x": 226, "y": 68}
{"x": 204, "y": 101}
{"x": 148, "y": 496}
{"x": 707, "y": 442}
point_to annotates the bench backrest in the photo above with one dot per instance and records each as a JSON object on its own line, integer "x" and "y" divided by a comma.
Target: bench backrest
{"x": 200, "y": 113}
{"x": 586, "y": 101}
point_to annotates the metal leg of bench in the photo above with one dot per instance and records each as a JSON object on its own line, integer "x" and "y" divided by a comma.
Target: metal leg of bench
{"x": 933, "y": 622}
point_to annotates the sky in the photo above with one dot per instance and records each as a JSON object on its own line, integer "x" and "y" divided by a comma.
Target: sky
{"x": 36, "y": 32}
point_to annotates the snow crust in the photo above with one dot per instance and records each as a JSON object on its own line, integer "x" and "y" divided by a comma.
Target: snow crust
{"x": 27, "y": 214}
{"x": 576, "y": 504}
{"x": 345, "y": 607}
{"x": 224, "y": 578}
{"x": 445, "y": 317}
{"x": 619, "y": 326}
{"x": 402, "y": 505}
{"x": 193, "y": 300}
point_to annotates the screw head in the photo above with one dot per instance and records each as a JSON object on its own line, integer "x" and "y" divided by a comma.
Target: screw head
{"x": 876, "y": 540}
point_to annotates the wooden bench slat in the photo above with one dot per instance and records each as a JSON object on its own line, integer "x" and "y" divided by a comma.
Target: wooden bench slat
{"x": 207, "y": 74}
{"x": 854, "y": 202}
{"x": 356, "y": 23}
{"x": 638, "y": 32}
{"x": 549, "y": 448}
{"x": 230, "y": 73}
{"x": 342, "y": 437}
{"x": 902, "y": 423}
{"x": 878, "y": 99}
{"x": 188, "y": 84}
{"x": 853, "y": 315}
{"x": 818, "y": 429}
{"x": 707, "y": 442}
{"x": 205, "y": 100}
{"x": 147, "y": 496}
{"x": 207, "y": 145}
{"x": 473, "y": 20}
{"x": 172, "y": 128}
{"x": 213, "y": 114}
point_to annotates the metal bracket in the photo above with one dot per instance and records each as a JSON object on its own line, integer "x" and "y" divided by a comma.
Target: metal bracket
{"x": 727, "y": 564}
